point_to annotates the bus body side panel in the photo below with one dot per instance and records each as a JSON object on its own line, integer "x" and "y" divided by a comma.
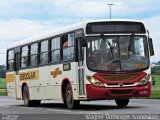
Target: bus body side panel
{"x": 18, "y": 87}
{"x": 57, "y": 76}
{"x": 11, "y": 84}
{"x": 43, "y": 80}
{"x": 31, "y": 78}
{"x": 53, "y": 89}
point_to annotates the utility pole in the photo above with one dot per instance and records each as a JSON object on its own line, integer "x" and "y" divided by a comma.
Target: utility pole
{"x": 110, "y": 10}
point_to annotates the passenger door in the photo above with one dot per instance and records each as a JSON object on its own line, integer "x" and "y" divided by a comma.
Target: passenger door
{"x": 17, "y": 66}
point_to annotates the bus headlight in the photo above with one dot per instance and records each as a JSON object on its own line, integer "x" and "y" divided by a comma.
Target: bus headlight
{"x": 94, "y": 81}
{"x": 145, "y": 80}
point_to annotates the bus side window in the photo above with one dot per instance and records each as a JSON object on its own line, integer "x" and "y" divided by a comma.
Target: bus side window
{"x": 44, "y": 52}
{"x": 68, "y": 47}
{"x": 34, "y": 54}
{"x": 65, "y": 41}
{"x": 10, "y": 62}
{"x": 24, "y": 56}
{"x": 55, "y": 50}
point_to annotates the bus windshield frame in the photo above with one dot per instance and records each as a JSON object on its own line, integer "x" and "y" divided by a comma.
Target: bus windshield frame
{"x": 118, "y": 53}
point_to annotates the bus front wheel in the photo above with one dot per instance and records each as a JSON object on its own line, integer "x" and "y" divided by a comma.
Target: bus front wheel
{"x": 27, "y": 101}
{"x": 70, "y": 103}
{"x": 122, "y": 102}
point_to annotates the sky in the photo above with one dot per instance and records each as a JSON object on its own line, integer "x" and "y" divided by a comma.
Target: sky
{"x": 20, "y": 19}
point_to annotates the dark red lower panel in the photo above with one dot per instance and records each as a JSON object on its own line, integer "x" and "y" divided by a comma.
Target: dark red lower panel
{"x": 94, "y": 93}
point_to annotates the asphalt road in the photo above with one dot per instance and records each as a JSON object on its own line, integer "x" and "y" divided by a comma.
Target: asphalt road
{"x": 93, "y": 110}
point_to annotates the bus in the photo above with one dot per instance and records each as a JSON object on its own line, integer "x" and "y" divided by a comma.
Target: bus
{"x": 90, "y": 60}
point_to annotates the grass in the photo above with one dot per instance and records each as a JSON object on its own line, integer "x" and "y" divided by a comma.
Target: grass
{"x": 155, "y": 94}
{"x": 2, "y": 92}
{"x": 2, "y": 83}
{"x": 157, "y": 82}
{"x": 2, "y": 86}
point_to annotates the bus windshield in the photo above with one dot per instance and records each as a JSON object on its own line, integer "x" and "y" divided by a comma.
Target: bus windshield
{"x": 117, "y": 53}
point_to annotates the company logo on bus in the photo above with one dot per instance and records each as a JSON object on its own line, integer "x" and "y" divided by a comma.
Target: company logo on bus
{"x": 30, "y": 75}
{"x": 121, "y": 84}
{"x": 56, "y": 72}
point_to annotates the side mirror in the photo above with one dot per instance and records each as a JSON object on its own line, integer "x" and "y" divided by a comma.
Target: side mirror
{"x": 151, "y": 47}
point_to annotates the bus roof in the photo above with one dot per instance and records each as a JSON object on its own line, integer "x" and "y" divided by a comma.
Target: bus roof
{"x": 80, "y": 25}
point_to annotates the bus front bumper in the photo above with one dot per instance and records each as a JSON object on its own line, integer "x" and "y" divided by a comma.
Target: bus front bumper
{"x": 94, "y": 93}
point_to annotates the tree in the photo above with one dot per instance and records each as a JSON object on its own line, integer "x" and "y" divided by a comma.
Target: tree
{"x": 2, "y": 71}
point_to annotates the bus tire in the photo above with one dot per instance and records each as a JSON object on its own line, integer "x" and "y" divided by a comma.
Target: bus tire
{"x": 70, "y": 103}
{"x": 122, "y": 102}
{"x": 27, "y": 101}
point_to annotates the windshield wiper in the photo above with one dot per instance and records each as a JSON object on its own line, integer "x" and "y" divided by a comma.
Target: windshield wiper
{"x": 110, "y": 46}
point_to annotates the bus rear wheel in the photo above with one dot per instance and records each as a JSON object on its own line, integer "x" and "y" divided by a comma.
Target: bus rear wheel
{"x": 70, "y": 103}
{"x": 122, "y": 102}
{"x": 27, "y": 101}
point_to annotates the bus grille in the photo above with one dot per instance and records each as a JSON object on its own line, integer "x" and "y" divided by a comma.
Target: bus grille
{"x": 120, "y": 77}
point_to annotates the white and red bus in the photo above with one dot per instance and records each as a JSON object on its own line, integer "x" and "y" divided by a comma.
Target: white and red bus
{"x": 91, "y": 60}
